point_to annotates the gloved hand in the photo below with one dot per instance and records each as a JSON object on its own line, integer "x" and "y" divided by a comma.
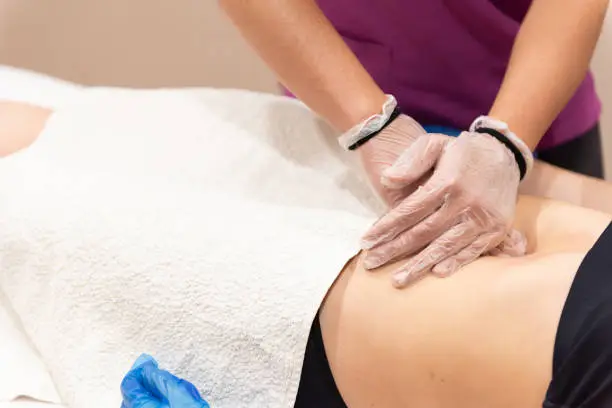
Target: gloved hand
{"x": 147, "y": 386}
{"x": 382, "y": 151}
{"x": 461, "y": 212}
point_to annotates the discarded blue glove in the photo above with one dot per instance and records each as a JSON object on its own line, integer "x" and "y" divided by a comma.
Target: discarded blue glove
{"x": 147, "y": 386}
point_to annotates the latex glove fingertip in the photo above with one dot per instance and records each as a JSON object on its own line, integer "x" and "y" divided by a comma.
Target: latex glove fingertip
{"x": 513, "y": 245}
{"x": 142, "y": 360}
{"x": 445, "y": 268}
{"x": 370, "y": 241}
{"x": 391, "y": 183}
{"x": 395, "y": 177}
{"x": 411, "y": 272}
{"x": 402, "y": 279}
{"x": 372, "y": 261}
{"x": 367, "y": 244}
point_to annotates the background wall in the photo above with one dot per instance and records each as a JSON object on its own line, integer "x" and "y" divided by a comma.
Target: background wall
{"x": 153, "y": 43}
{"x": 602, "y": 65}
{"x": 139, "y": 43}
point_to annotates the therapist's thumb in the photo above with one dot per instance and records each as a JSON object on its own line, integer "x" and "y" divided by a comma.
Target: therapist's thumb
{"x": 415, "y": 161}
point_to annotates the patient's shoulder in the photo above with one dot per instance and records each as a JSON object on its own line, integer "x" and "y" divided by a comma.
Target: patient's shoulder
{"x": 20, "y": 125}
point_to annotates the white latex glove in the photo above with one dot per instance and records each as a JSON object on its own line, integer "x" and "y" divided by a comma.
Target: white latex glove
{"x": 382, "y": 151}
{"x": 462, "y": 211}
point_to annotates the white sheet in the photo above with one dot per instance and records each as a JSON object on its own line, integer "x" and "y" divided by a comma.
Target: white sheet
{"x": 202, "y": 227}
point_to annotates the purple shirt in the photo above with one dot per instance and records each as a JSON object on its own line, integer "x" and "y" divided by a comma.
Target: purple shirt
{"x": 444, "y": 60}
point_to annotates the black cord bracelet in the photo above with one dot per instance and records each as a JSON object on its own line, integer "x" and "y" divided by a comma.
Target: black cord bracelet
{"x": 518, "y": 156}
{"x": 396, "y": 112}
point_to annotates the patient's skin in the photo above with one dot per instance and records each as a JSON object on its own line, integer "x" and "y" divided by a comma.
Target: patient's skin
{"x": 20, "y": 125}
{"x": 481, "y": 338}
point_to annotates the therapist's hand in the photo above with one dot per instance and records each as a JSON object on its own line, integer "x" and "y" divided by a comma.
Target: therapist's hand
{"x": 382, "y": 151}
{"x": 462, "y": 211}
{"x": 147, "y": 386}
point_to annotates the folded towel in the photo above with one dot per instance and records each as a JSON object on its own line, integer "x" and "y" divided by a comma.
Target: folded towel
{"x": 202, "y": 227}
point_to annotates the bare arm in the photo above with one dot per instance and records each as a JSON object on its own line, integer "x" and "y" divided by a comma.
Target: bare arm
{"x": 553, "y": 182}
{"x": 550, "y": 59}
{"x": 297, "y": 41}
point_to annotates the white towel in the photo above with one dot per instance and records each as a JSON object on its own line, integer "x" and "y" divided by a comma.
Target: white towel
{"x": 22, "y": 372}
{"x": 21, "y": 85}
{"x": 29, "y": 404}
{"x": 202, "y": 227}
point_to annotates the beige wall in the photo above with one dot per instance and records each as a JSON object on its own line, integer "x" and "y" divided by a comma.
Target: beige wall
{"x": 140, "y": 43}
{"x": 151, "y": 43}
{"x": 602, "y": 65}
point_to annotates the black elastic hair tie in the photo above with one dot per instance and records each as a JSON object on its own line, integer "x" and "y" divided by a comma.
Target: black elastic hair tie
{"x": 396, "y": 112}
{"x": 518, "y": 156}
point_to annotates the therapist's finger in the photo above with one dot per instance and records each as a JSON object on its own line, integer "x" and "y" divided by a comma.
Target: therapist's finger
{"x": 415, "y": 161}
{"x": 415, "y": 208}
{"x": 448, "y": 244}
{"x": 411, "y": 240}
{"x": 513, "y": 245}
{"x": 469, "y": 254}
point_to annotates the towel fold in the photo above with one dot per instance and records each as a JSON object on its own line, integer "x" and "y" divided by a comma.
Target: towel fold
{"x": 203, "y": 227}
{"x": 22, "y": 372}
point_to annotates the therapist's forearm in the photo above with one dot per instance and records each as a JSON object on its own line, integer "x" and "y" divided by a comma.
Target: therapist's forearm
{"x": 550, "y": 59}
{"x": 309, "y": 57}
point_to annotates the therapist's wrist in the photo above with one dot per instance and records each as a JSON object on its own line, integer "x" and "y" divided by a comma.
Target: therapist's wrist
{"x": 358, "y": 109}
{"x": 388, "y": 123}
{"x": 501, "y": 131}
{"x": 528, "y": 130}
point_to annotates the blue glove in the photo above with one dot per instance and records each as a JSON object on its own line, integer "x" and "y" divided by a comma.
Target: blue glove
{"x": 147, "y": 386}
